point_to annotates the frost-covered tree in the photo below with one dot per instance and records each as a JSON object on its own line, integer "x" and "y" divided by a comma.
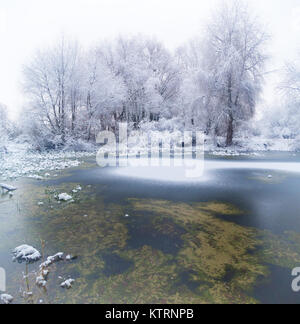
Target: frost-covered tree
{"x": 226, "y": 69}
{"x": 104, "y": 93}
{"x": 51, "y": 82}
{"x": 8, "y": 128}
{"x": 235, "y": 61}
{"x": 291, "y": 80}
{"x": 285, "y": 121}
{"x": 3, "y": 119}
{"x": 75, "y": 94}
{"x": 149, "y": 74}
{"x": 197, "y": 91}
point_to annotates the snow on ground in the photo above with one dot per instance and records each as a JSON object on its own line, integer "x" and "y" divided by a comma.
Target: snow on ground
{"x": 19, "y": 162}
{"x": 253, "y": 146}
{"x": 139, "y": 143}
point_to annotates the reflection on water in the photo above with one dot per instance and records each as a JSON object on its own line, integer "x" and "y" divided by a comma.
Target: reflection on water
{"x": 231, "y": 239}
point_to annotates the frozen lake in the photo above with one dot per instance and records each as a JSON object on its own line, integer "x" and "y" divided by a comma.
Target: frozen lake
{"x": 151, "y": 235}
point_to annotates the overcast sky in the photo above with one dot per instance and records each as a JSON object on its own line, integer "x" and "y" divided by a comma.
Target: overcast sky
{"x": 26, "y": 25}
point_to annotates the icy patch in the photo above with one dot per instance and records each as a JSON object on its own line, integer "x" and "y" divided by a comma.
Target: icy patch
{"x": 26, "y": 253}
{"x": 178, "y": 174}
{"x": 160, "y": 172}
{"x": 6, "y": 299}
{"x": 244, "y": 165}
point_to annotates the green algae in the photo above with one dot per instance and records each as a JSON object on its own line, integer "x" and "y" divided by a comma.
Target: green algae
{"x": 212, "y": 246}
{"x": 281, "y": 250}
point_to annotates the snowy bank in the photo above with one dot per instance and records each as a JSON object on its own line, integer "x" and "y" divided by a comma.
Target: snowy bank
{"x": 19, "y": 162}
{"x": 244, "y": 146}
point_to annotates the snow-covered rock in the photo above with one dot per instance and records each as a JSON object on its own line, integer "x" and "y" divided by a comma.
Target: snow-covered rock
{"x": 7, "y": 187}
{"x": 68, "y": 283}
{"x": 6, "y": 299}
{"x": 70, "y": 257}
{"x": 77, "y": 189}
{"x": 64, "y": 197}
{"x": 26, "y": 253}
{"x": 36, "y": 177}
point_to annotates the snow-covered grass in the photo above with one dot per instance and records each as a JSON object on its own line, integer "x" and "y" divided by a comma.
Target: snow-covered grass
{"x": 19, "y": 161}
{"x": 251, "y": 146}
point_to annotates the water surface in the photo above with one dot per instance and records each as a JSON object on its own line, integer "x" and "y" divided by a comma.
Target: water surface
{"x": 149, "y": 235}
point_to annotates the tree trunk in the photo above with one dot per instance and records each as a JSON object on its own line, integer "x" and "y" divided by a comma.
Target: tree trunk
{"x": 229, "y": 139}
{"x": 90, "y": 114}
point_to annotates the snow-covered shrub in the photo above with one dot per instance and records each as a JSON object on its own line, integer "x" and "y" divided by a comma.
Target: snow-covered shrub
{"x": 78, "y": 145}
{"x": 170, "y": 125}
